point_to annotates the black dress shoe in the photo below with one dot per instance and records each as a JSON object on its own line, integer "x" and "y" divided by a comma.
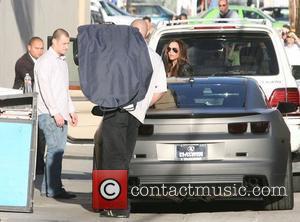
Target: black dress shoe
{"x": 64, "y": 195}
{"x": 115, "y": 213}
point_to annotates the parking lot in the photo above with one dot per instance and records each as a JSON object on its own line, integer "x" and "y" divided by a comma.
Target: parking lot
{"x": 77, "y": 178}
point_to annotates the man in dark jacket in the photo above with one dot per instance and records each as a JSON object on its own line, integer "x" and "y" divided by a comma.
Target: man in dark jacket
{"x": 25, "y": 64}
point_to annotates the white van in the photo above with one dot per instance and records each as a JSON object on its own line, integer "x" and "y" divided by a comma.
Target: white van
{"x": 259, "y": 54}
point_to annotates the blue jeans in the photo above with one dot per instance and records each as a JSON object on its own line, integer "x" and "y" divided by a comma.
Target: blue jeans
{"x": 56, "y": 139}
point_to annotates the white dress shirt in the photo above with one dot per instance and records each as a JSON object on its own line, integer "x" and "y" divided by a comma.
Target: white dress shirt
{"x": 52, "y": 78}
{"x": 33, "y": 59}
{"x": 158, "y": 84}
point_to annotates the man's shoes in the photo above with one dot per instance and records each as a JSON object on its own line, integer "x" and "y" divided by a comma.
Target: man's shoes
{"x": 115, "y": 213}
{"x": 64, "y": 195}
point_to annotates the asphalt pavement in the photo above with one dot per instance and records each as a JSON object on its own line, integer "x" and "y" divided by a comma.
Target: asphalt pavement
{"x": 77, "y": 165}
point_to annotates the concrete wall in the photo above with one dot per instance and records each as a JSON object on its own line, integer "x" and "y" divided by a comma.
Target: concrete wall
{"x": 22, "y": 19}
{"x": 11, "y": 45}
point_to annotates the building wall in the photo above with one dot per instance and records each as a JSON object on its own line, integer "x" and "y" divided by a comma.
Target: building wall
{"x": 11, "y": 45}
{"x": 22, "y": 19}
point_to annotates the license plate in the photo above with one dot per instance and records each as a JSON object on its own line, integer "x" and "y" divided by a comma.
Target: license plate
{"x": 191, "y": 151}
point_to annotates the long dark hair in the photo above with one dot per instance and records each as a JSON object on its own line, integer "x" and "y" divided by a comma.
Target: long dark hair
{"x": 182, "y": 59}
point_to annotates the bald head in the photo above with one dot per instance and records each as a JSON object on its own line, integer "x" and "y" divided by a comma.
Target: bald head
{"x": 141, "y": 25}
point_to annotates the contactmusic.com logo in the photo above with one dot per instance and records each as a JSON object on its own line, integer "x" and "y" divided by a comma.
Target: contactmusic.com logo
{"x": 110, "y": 189}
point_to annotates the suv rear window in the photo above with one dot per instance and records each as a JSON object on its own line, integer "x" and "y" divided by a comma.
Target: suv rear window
{"x": 213, "y": 54}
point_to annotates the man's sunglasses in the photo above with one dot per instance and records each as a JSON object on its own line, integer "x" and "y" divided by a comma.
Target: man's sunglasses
{"x": 173, "y": 49}
{"x": 222, "y": 5}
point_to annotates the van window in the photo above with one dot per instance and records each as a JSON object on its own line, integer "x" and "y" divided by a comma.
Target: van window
{"x": 252, "y": 14}
{"x": 213, "y": 54}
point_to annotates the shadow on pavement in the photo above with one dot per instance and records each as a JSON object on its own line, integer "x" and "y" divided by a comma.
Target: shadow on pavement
{"x": 187, "y": 207}
{"x": 83, "y": 199}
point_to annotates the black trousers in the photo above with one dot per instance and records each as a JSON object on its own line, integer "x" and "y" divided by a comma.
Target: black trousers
{"x": 117, "y": 140}
{"x": 41, "y": 144}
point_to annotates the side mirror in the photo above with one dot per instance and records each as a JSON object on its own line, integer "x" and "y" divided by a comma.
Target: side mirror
{"x": 286, "y": 107}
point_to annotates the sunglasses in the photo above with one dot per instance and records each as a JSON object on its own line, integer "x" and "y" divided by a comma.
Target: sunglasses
{"x": 173, "y": 49}
{"x": 222, "y": 5}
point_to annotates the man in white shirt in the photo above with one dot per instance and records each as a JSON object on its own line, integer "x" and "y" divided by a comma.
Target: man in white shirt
{"x": 55, "y": 109}
{"x": 120, "y": 128}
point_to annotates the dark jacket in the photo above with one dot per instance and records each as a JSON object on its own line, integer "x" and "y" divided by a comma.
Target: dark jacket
{"x": 185, "y": 70}
{"x": 24, "y": 65}
{"x": 114, "y": 64}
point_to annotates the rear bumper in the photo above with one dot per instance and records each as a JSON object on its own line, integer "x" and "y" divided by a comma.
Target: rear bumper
{"x": 212, "y": 172}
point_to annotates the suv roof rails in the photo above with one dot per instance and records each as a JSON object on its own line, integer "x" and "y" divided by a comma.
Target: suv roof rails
{"x": 200, "y": 21}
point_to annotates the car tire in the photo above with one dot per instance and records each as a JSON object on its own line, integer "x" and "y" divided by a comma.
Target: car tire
{"x": 286, "y": 202}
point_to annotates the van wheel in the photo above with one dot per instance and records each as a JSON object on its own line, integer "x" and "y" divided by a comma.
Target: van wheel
{"x": 286, "y": 202}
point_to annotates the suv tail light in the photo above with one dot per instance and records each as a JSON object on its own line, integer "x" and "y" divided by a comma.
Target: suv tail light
{"x": 260, "y": 127}
{"x": 284, "y": 95}
{"x": 237, "y": 128}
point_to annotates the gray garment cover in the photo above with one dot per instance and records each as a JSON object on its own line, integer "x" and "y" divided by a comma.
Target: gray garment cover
{"x": 114, "y": 64}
